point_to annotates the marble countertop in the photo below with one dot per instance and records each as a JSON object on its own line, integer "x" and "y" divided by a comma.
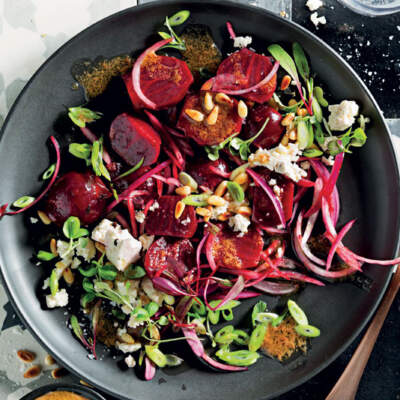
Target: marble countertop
{"x": 31, "y": 30}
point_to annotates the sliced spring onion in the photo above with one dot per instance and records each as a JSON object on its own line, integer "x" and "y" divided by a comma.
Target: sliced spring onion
{"x": 241, "y": 337}
{"x": 258, "y": 308}
{"x": 156, "y": 355}
{"x": 179, "y": 18}
{"x": 237, "y": 171}
{"x": 197, "y": 200}
{"x": 229, "y": 305}
{"x": 23, "y": 201}
{"x": 49, "y": 172}
{"x": 225, "y": 335}
{"x": 173, "y": 360}
{"x": 317, "y": 110}
{"x": 45, "y": 255}
{"x": 257, "y": 337}
{"x": 53, "y": 283}
{"x": 311, "y": 153}
{"x": 187, "y": 180}
{"x": 80, "y": 150}
{"x": 241, "y": 358}
{"x": 297, "y": 313}
{"x": 266, "y": 317}
{"x": 319, "y": 95}
{"x": 302, "y": 135}
{"x": 213, "y": 316}
{"x": 307, "y": 330}
{"x": 227, "y": 314}
{"x": 235, "y": 191}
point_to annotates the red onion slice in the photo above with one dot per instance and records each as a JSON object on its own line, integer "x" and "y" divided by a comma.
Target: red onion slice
{"x": 136, "y": 72}
{"x": 267, "y": 189}
{"x": 253, "y": 88}
{"x": 198, "y": 255}
{"x": 193, "y": 341}
{"x": 230, "y": 30}
{"x": 235, "y": 290}
{"x": 150, "y": 369}
{"x": 167, "y": 286}
{"x": 276, "y": 288}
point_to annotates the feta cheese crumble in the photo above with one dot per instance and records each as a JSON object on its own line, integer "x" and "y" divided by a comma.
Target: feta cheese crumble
{"x": 239, "y": 223}
{"x": 130, "y": 361}
{"x": 242, "y": 41}
{"x": 217, "y": 211}
{"x": 128, "y": 348}
{"x": 60, "y": 299}
{"x": 146, "y": 240}
{"x": 140, "y": 217}
{"x": 281, "y": 159}
{"x": 328, "y": 161}
{"x": 154, "y": 206}
{"x": 317, "y": 20}
{"x": 313, "y": 5}
{"x": 122, "y": 248}
{"x": 342, "y": 115}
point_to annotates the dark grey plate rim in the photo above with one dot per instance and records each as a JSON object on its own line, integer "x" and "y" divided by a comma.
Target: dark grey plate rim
{"x": 283, "y": 21}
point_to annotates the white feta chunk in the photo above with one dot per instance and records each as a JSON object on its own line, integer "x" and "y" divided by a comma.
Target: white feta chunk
{"x": 60, "y": 299}
{"x": 242, "y": 41}
{"x": 133, "y": 322}
{"x": 239, "y": 223}
{"x": 328, "y": 161}
{"x": 217, "y": 211}
{"x": 128, "y": 348}
{"x": 272, "y": 182}
{"x": 317, "y": 20}
{"x": 33, "y": 220}
{"x": 281, "y": 159}
{"x": 147, "y": 240}
{"x": 62, "y": 250}
{"x": 130, "y": 361}
{"x": 313, "y": 5}
{"x": 154, "y": 206}
{"x": 87, "y": 252}
{"x": 99, "y": 233}
{"x": 342, "y": 115}
{"x": 140, "y": 217}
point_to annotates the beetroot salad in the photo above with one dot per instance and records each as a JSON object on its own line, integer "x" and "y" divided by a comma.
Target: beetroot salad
{"x": 217, "y": 185}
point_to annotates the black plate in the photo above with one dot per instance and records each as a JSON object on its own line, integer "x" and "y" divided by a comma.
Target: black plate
{"x": 369, "y": 187}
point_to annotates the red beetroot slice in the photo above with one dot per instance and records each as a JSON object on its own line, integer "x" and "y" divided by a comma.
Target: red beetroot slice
{"x": 272, "y": 133}
{"x": 228, "y": 121}
{"x": 236, "y": 252}
{"x": 164, "y": 248}
{"x": 82, "y": 195}
{"x": 244, "y": 69}
{"x": 148, "y": 186}
{"x": 164, "y": 80}
{"x": 161, "y": 221}
{"x": 132, "y": 139}
{"x": 263, "y": 210}
{"x": 200, "y": 171}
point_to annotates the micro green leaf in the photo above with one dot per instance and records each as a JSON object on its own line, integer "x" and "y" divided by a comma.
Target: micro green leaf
{"x": 133, "y": 169}
{"x": 81, "y": 150}
{"x": 53, "y": 282}
{"x": 301, "y": 61}
{"x": 108, "y": 272}
{"x": 80, "y": 116}
{"x": 45, "y": 255}
{"x": 134, "y": 272}
{"x": 286, "y": 62}
{"x": 71, "y": 227}
{"x": 319, "y": 95}
{"x": 87, "y": 298}
{"x": 97, "y": 160}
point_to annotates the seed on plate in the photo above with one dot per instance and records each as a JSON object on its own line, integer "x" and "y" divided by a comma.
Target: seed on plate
{"x": 204, "y": 212}
{"x": 292, "y": 102}
{"x": 213, "y": 116}
{"x": 288, "y": 119}
{"x": 183, "y": 190}
{"x": 301, "y": 112}
{"x": 180, "y": 206}
{"x": 187, "y": 180}
{"x": 61, "y": 266}
{"x": 44, "y": 218}
{"x": 33, "y": 372}
{"x": 242, "y": 109}
{"x": 285, "y": 140}
{"x": 228, "y": 197}
{"x": 194, "y": 115}
{"x": 49, "y": 360}
{"x": 53, "y": 247}
{"x": 241, "y": 178}
{"x": 285, "y": 82}
{"x": 216, "y": 201}
{"x": 272, "y": 103}
{"x": 292, "y": 135}
{"x": 208, "y": 102}
{"x": 59, "y": 372}
{"x": 223, "y": 217}
{"x": 26, "y": 356}
{"x": 100, "y": 247}
{"x": 245, "y": 211}
{"x": 127, "y": 338}
{"x": 221, "y": 188}
{"x": 154, "y": 332}
{"x": 68, "y": 276}
{"x": 262, "y": 158}
{"x": 222, "y": 98}
{"x": 245, "y": 186}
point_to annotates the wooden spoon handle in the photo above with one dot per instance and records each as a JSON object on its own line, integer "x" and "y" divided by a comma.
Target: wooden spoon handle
{"x": 347, "y": 385}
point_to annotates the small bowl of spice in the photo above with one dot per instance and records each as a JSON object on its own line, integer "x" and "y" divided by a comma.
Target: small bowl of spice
{"x": 63, "y": 392}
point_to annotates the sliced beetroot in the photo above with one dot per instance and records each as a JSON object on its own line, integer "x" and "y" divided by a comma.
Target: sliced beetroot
{"x": 164, "y": 80}
{"x": 272, "y": 133}
{"x": 148, "y": 186}
{"x": 132, "y": 139}
{"x": 161, "y": 221}
{"x": 244, "y": 69}
{"x": 204, "y": 172}
{"x": 263, "y": 210}
{"x": 228, "y": 121}
{"x": 82, "y": 195}
{"x": 236, "y": 252}
{"x": 164, "y": 249}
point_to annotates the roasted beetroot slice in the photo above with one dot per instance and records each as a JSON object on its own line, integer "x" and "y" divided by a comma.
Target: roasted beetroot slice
{"x": 236, "y": 252}
{"x": 161, "y": 221}
{"x": 244, "y": 69}
{"x": 164, "y": 80}
{"x": 203, "y": 172}
{"x": 149, "y": 186}
{"x": 272, "y": 133}
{"x": 82, "y": 195}
{"x": 263, "y": 210}
{"x": 228, "y": 121}
{"x": 164, "y": 248}
{"x": 132, "y": 139}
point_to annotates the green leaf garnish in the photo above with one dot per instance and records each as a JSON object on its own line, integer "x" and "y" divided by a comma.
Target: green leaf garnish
{"x": 108, "y": 272}
{"x": 97, "y": 160}
{"x": 197, "y": 200}
{"x": 152, "y": 308}
{"x": 134, "y": 272}
{"x": 285, "y": 61}
{"x": 71, "y": 227}
{"x": 176, "y": 19}
{"x": 87, "y": 298}
{"x": 133, "y": 169}
{"x": 89, "y": 272}
{"x": 236, "y": 191}
{"x": 317, "y": 110}
{"x": 311, "y": 153}
{"x": 301, "y": 61}
{"x": 213, "y": 151}
{"x": 358, "y": 138}
{"x": 49, "y": 172}
{"x": 53, "y": 283}
{"x": 81, "y": 150}
{"x": 76, "y": 327}
{"x": 319, "y": 95}
{"x": 45, "y": 255}
{"x": 258, "y": 308}
{"x": 23, "y": 201}
{"x": 80, "y": 116}
{"x": 87, "y": 285}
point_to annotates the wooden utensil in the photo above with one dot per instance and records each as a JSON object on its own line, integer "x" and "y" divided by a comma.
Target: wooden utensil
{"x": 347, "y": 385}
